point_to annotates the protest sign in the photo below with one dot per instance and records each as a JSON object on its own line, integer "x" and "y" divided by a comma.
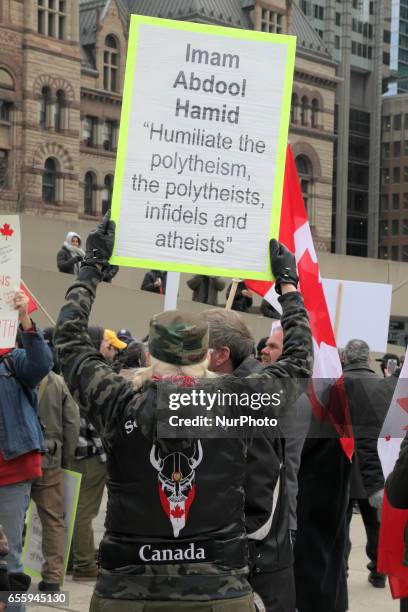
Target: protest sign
{"x": 202, "y": 145}
{"x": 359, "y": 310}
{"x": 10, "y": 271}
{"x": 32, "y": 558}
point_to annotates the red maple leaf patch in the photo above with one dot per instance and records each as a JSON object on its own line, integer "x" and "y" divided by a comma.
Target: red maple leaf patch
{"x": 177, "y": 512}
{"x": 6, "y": 231}
{"x": 315, "y": 301}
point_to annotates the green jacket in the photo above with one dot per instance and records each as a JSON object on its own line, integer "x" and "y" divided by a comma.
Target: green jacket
{"x": 60, "y": 416}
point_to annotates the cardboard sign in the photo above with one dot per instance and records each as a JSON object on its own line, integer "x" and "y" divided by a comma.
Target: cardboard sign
{"x": 32, "y": 557}
{"x": 202, "y": 144}
{"x": 10, "y": 272}
{"x": 362, "y": 311}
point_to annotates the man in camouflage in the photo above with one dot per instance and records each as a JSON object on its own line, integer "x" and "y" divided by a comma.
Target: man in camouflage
{"x": 171, "y": 541}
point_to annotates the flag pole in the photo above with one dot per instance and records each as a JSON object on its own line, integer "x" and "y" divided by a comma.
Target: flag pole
{"x": 40, "y": 306}
{"x": 233, "y": 291}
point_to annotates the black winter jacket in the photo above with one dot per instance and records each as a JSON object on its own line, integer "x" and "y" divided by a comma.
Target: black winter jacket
{"x": 65, "y": 261}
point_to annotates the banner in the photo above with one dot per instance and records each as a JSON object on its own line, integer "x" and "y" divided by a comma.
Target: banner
{"x": 201, "y": 155}
{"x": 32, "y": 558}
{"x": 10, "y": 272}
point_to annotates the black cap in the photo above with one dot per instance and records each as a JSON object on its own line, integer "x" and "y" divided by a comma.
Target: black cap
{"x": 388, "y": 356}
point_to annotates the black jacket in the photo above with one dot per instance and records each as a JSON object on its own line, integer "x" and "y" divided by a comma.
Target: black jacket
{"x": 150, "y": 278}
{"x": 206, "y": 288}
{"x": 266, "y": 503}
{"x": 366, "y": 474}
{"x": 65, "y": 261}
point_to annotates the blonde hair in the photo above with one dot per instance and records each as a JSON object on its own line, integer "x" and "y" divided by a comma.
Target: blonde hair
{"x": 161, "y": 368}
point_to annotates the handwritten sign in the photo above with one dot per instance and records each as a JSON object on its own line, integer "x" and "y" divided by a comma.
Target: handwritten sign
{"x": 198, "y": 182}
{"x": 10, "y": 272}
{"x": 32, "y": 558}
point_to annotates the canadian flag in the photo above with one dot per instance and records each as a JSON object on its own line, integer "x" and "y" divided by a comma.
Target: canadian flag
{"x": 296, "y": 235}
{"x": 394, "y": 521}
{"x": 32, "y": 304}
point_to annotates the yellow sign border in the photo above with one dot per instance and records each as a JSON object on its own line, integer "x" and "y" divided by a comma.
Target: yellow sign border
{"x": 290, "y": 41}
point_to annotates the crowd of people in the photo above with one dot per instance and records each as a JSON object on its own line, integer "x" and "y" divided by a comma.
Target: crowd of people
{"x": 193, "y": 523}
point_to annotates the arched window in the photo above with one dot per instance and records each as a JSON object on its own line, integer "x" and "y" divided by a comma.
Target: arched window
{"x": 107, "y": 193}
{"x": 294, "y": 108}
{"x": 111, "y": 64}
{"x": 59, "y": 111}
{"x": 304, "y": 106}
{"x": 89, "y": 193}
{"x": 305, "y": 172}
{"x": 45, "y": 107}
{"x": 315, "y": 113}
{"x": 49, "y": 184}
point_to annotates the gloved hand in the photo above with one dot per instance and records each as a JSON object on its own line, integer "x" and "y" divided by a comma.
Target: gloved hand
{"x": 376, "y": 499}
{"x": 283, "y": 264}
{"x": 78, "y": 258}
{"x": 99, "y": 244}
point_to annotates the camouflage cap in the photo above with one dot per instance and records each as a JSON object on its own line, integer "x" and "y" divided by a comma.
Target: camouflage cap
{"x": 178, "y": 337}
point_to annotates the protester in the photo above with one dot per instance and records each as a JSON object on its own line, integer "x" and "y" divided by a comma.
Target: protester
{"x": 367, "y": 480}
{"x": 126, "y": 416}
{"x": 273, "y": 346}
{"x": 21, "y": 438}
{"x": 243, "y": 297}
{"x": 125, "y": 336}
{"x": 397, "y": 493}
{"x": 206, "y": 288}
{"x": 390, "y": 364}
{"x": 266, "y": 504}
{"x": 60, "y": 417}
{"x": 90, "y": 461}
{"x": 155, "y": 281}
{"x": 130, "y": 360}
{"x": 69, "y": 257}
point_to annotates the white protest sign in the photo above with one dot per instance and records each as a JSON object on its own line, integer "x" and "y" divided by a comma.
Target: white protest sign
{"x": 363, "y": 311}
{"x": 202, "y": 148}
{"x": 32, "y": 557}
{"x": 10, "y": 273}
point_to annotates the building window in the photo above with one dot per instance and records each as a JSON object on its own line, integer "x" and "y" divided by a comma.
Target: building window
{"x": 383, "y": 229}
{"x": 405, "y": 253}
{"x": 383, "y": 252}
{"x": 111, "y": 64}
{"x": 319, "y": 12}
{"x": 45, "y": 107}
{"x": 5, "y": 111}
{"x": 386, "y": 150}
{"x": 4, "y": 160}
{"x": 107, "y": 193}
{"x": 405, "y": 227}
{"x": 384, "y": 202}
{"x": 397, "y": 122}
{"x": 294, "y": 108}
{"x": 304, "y": 110}
{"x": 59, "y": 111}
{"x": 315, "y": 113}
{"x": 405, "y": 174}
{"x": 89, "y": 193}
{"x": 385, "y": 176}
{"x": 338, "y": 19}
{"x": 305, "y": 172}
{"x": 396, "y": 175}
{"x": 395, "y": 227}
{"x": 271, "y": 22}
{"x": 386, "y": 122}
{"x": 395, "y": 201}
{"x": 89, "y": 131}
{"x": 337, "y": 42}
{"x": 394, "y": 253}
{"x": 397, "y": 148}
{"x": 49, "y": 185}
{"x": 405, "y": 200}
{"x": 51, "y": 16}
{"x": 109, "y": 135}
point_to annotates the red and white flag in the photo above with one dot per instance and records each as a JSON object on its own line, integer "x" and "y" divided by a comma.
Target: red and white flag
{"x": 296, "y": 235}
{"x": 393, "y": 521}
{"x": 32, "y": 304}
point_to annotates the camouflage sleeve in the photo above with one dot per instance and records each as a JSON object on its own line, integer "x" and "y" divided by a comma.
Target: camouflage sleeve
{"x": 100, "y": 393}
{"x": 296, "y": 360}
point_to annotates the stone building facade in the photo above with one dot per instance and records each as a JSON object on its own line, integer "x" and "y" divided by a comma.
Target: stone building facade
{"x": 61, "y": 76}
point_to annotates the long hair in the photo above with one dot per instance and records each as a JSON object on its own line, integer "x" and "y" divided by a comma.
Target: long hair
{"x": 161, "y": 368}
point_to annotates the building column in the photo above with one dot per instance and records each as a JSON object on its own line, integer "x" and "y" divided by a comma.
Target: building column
{"x": 343, "y": 120}
{"x": 375, "y": 133}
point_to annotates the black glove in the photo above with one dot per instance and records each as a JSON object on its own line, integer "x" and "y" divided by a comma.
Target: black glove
{"x": 78, "y": 258}
{"x": 283, "y": 264}
{"x": 99, "y": 244}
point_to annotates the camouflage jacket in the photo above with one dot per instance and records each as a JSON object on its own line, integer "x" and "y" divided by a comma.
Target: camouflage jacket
{"x": 106, "y": 397}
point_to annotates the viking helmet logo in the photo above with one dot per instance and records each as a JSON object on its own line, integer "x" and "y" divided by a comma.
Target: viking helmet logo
{"x": 176, "y": 477}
